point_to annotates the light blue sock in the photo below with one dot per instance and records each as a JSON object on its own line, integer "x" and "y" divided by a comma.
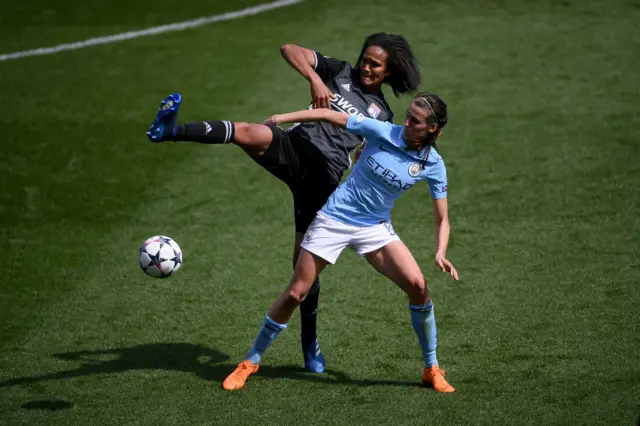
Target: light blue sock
{"x": 424, "y": 324}
{"x": 269, "y": 331}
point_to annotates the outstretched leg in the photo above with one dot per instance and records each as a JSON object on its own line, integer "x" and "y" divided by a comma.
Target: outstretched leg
{"x": 254, "y": 139}
{"x": 396, "y": 262}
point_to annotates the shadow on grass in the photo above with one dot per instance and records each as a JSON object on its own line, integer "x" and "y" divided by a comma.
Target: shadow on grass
{"x": 185, "y": 357}
{"x": 48, "y": 405}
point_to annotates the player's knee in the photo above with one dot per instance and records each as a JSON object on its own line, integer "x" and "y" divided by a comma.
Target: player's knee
{"x": 417, "y": 286}
{"x": 299, "y": 286}
{"x": 297, "y": 293}
{"x": 253, "y": 138}
{"x": 417, "y": 281}
{"x": 252, "y": 131}
{"x": 241, "y": 130}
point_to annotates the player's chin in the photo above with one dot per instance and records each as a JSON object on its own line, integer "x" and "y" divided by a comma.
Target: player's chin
{"x": 369, "y": 81}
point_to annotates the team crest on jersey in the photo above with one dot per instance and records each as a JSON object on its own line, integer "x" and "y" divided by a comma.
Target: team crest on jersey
{"x": 415, "y": 169}
{"x": 374, "y": 110}
{"x": 308, "y": 236}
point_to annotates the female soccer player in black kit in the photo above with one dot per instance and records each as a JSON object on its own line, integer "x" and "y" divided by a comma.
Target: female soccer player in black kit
{"x": 309, "y": 157}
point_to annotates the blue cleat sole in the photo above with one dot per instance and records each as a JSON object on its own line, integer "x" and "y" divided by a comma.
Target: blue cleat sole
{"x": 166, "y": 118}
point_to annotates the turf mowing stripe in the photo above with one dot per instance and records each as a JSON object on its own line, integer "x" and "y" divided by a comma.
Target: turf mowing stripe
{"x": 178, "y": 26}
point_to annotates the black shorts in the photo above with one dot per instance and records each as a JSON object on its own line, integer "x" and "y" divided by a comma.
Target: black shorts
{"x": 310, "y": 186}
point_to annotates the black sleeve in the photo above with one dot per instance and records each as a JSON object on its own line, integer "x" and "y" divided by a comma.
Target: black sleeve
{"x": 390, "y": 117}
{"x": 387, "y": 110}
{"x": 327, "y": 68}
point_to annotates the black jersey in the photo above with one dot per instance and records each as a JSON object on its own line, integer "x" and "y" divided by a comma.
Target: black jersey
{"x": 329, "y": 146}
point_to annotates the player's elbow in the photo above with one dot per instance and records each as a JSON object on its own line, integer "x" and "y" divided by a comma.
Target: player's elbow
{"x": 286, "y": 49}
{"x": 440, "y": 218}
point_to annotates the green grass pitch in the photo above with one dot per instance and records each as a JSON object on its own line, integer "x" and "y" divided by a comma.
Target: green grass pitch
{"x": 543, "y": 155}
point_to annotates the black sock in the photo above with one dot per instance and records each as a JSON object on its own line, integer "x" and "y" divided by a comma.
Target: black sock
{"x": 216, "y": 131}
{"x": 309, "y": 313}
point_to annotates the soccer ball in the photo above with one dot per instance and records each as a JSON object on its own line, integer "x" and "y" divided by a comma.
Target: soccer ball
{"x": 160, "y": 256}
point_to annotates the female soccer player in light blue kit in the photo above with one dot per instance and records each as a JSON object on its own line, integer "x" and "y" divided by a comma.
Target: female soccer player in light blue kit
{"x": 357, "y": 215}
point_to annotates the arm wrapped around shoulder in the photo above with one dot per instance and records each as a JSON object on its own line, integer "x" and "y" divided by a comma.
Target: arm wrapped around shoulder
{"x": 320, "y": 114}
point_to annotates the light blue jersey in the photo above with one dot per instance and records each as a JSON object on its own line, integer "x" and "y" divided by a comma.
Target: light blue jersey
{"x": 385, "y": 170}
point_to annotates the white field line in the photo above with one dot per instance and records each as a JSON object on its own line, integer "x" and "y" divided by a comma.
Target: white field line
{"x": 178, "y": 26}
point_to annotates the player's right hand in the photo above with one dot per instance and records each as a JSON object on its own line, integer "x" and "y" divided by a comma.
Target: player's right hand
{"x": 320, "y": 95}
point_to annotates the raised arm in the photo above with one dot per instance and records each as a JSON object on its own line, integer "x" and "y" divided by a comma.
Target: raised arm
{"x": 321, "y": 114}
{"x": 301, "y": 59}
{"x": 442, "y": 231}
{"x": 304, "y": 61}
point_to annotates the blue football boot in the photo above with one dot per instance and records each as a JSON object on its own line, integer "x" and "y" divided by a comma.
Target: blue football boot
{"x": 165, "y": 124}
{"x": 314, "y": 360}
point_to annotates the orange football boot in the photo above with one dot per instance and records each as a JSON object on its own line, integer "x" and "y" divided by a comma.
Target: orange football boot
{"x": 434, "y": 377}
{"x": 238, "y": 378}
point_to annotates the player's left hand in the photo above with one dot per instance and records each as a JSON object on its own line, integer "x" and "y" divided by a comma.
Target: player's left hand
{"x": 446, "y": 266}
{"x": 273, "y": 120}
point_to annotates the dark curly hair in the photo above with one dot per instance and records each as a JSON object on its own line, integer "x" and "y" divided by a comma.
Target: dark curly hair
{"x": 404, "y": 72}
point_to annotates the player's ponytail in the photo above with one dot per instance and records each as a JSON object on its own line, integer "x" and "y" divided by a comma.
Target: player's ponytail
{"x": 404, "y": 72}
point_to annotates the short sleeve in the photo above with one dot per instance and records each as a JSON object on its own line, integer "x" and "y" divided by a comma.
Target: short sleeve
{"x": 327, "y": 68}
{"x": 437, "y": 180}
{"x": 368, "y": 127}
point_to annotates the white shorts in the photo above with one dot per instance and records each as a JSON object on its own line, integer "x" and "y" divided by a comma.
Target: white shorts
{"x": 327, "y": 237}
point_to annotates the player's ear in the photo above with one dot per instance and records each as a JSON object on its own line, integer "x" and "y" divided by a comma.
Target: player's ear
{"x": 432, "y": 127}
